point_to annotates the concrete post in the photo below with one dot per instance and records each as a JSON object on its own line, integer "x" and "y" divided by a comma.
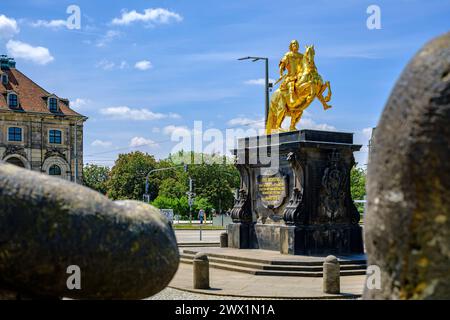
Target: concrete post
{"x": 331, "y": 275}
{"x": 201, "y": 271}
{"x": 224, "y": 240}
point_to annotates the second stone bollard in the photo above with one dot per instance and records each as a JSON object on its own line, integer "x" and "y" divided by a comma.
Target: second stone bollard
{"x": 331, "y": 275}
{"x": 224, "y": 240}
{"x": 201, "y": 271}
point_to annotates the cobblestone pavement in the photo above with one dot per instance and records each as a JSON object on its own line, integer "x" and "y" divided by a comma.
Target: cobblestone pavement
{"x": 174, "y": 294}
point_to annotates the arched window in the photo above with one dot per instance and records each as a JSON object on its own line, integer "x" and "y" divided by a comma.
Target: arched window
{"x": 12, "y": 100}
{"x": 16, "y": 161}
{"x": 53, "y": 104}
{"x": 54, "y": 170}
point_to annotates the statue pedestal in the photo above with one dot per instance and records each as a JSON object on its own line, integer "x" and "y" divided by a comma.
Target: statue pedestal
{"x": 295, "y": 194}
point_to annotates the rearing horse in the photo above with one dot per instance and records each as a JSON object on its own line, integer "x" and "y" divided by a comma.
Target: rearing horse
{"x": 309, "y": 85}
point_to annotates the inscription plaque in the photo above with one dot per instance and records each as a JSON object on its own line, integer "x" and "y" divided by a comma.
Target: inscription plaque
{"x": 272, "y": 189}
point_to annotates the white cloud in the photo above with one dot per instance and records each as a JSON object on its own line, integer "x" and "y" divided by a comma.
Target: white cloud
{"x": 140, "y": 141}
{"x": 126, "y": 113}
{"x": 174, "y": 115}
{"x": 107, "y": 38}
{"x": 178, "y": 130}
{"x": 151, "y": 16}
{"x": 156, "y": 130}
{"x": 243, "y": 121}
{"x": 308, "y": 123}
{"x": 105, "y": 64}
{"x": 22, "y": 50}
{"x": 362, "y": 137}
{"x": 78, "y": 103}
{"x": 123, "y": 65}
{"x": 143, "y": 65}
{"x": 367, "y": 132}
{"x": 100, "y": 143}
{"x": 54, "y": 24}
{"x": 259, "y": 82}
{"x": 305, "y": 123}
{"x": 8, "y": 27}
{"x": 108, "y": 65}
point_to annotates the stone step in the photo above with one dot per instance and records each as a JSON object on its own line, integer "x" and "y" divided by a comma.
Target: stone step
{"x": 278, "y": 273}
{"x": 198, "y": 244}
{"x": 277, "y": 262}
{"x": 265, "y": 266}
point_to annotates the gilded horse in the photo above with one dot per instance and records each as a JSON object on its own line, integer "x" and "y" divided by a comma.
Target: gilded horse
{"x": 308, "y": 86}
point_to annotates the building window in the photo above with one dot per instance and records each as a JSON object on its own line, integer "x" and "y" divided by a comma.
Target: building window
{"x": 14, "y": 134}
{"x": 53, "y": 104}
{"x": 55, "y": 136}
{"x": 5, "y": 79}
{"x": 54, "y": 170}
{"x": 12, "y": 100}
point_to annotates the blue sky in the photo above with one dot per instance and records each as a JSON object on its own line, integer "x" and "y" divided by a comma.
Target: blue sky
{"x": 140, "y": 76}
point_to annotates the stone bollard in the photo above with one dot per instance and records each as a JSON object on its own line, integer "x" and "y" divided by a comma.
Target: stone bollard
{"x": 201, "y": 271}
{"x": 121, "y": 249}
{"x": 224, "y": 240}
{"x": 407, "y": 225}
{"x": 331, "y": 275}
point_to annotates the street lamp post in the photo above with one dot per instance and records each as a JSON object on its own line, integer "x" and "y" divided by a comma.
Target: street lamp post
{"x": 146, "y": 195}
{"x": 267, "y": 84}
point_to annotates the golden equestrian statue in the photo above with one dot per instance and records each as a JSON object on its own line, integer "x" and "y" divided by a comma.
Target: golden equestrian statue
{"x": 301, "y": 84}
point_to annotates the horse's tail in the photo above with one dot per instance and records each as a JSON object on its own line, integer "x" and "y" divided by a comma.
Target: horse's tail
{"x": 271, "y": 117}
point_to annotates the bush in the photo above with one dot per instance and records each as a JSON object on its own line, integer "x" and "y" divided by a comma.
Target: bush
{"x": 180, "y": 206}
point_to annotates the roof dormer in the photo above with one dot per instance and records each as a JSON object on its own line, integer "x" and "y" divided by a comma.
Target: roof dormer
{"x": 12, "y": 99}
{"x": 53, "y": 103}
{"x": 4, "y": 78}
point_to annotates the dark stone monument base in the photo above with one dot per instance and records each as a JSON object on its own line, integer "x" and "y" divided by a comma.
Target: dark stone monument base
{"x": 295, "y": 194}
{"x": 268, "y": 236}
{"x": 241, "y": 236}
{"x": 321, "y": 239}
{"x": 300, "y": 240}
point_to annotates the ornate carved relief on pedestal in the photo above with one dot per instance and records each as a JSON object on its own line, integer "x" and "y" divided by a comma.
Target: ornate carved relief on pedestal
{"x": 241, "y": 211}
{"x": 332, "y": 193}
{"x": 294, "y": 211}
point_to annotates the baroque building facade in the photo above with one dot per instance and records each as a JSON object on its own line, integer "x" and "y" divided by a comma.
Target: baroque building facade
{"x": 38, "y": 130}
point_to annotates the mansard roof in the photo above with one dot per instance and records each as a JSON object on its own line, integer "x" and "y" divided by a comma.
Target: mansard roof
{"x": 32, "y": 97}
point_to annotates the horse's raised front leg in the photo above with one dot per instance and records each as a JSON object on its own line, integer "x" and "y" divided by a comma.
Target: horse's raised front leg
{"x": 326, "y": 99}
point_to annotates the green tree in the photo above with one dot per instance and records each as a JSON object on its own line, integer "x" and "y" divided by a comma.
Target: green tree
{"x": 163, "y": 202}
{"x": 216, "y": 183}
{"x": 358, "y": 185}
{"x": 173, "y": 187}
{"x": 215, "y": 179}
{"x": 127, "y": 178}
{"x": 96, "y": 177}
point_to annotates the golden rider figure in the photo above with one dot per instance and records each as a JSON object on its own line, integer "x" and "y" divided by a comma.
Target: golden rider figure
{"x": 292, "y": 62}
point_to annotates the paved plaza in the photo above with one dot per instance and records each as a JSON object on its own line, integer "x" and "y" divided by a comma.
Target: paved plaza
{"x": 236, "y": 284}
{"x": 184, "y": 236}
